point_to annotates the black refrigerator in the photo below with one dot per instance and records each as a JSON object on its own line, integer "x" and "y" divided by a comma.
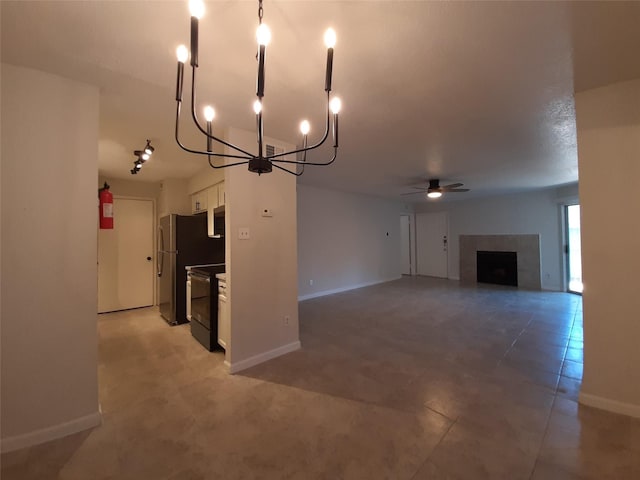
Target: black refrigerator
{"x": 182, "y": 241}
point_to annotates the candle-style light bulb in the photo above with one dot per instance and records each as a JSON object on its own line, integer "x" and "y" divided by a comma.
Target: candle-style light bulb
{"x": 330, "y": 38}
{"x": 330, "y": 42}
{"x": 209, "y": 113}
{"x": 263, "y": 35}
{"x": 182, "y": 52}
{"x": 335, "y": 105}
{"x": 305, "y": 127}
{"x": 196, "y": 8}
{"x": 257, "y": 108}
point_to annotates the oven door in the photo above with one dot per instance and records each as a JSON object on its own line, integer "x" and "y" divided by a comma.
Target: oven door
{"x": 200, "y": 299}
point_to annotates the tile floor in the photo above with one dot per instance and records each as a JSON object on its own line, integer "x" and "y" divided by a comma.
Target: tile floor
{"x": 413, "y": 379}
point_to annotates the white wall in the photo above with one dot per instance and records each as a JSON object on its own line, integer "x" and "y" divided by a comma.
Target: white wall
{"x": 171, "y": 195}
{"x": 526, "y": 213}
{"x": 346, "y": 240}
{"x": 174, "y": 197}
{"x": 261, "y": 271}
{"x": 49, "y": 276}
{"x": 608, "y": 121}
{"x": 130, "y": 188}
{"x": 207, "y": 177}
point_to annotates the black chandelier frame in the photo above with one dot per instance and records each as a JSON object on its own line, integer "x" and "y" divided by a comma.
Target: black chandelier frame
{"x": 257, "y": 163}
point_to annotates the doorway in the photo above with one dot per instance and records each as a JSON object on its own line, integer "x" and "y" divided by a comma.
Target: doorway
{"x": 405, "y": 245}
{"x": 432, "y": 244}
{"x": 125, "y": 257}
{"x": 573, "y": 257}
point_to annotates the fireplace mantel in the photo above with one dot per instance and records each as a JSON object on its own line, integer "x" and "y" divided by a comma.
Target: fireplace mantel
{"x": 526, "y": 246}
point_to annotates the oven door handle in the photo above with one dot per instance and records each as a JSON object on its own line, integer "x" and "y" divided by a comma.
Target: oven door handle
{"x": 189, "y": 297}
{"x": 200, "y": 278}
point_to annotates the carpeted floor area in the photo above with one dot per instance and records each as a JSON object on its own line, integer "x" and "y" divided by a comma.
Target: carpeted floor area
{"x": 413, "y": 379}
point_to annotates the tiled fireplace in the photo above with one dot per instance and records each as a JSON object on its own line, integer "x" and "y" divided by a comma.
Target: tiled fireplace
{"x": 525, "y": 247}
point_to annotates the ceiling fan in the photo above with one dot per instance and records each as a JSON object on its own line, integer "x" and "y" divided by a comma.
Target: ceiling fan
{"x": 434, "y": 190}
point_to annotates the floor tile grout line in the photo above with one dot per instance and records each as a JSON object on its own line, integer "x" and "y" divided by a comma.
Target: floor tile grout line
{"x": 564, "y": 357}
{"x": 359, "y": 401}
{"x": 544, "y": 435}
{"x": 434, "y": 448}
{"x": 515, "y": 340}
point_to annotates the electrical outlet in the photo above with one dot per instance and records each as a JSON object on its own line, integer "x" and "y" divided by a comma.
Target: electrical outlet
{"x": 243, "y": 233}
{"x": 311, "y": 283}
{"x": 285, "y": 320}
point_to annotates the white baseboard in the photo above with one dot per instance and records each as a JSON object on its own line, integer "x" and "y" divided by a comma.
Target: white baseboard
{"x": 457, "y": 279}
{"x": 610, "y": 405}
{"x": 50, "y": 433}
{"x": 262, "y": 357}
{"x": 345, "y": 289}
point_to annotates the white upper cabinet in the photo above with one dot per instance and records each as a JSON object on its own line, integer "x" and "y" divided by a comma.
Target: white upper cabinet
{"x": 199, "y": 201}
{"x": 221, "y": 195}
{"x": 212, "y": 197}
{"x": 215, "y": 199}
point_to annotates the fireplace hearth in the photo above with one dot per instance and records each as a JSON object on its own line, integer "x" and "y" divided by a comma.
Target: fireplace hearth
{"x": 498, "y": 268}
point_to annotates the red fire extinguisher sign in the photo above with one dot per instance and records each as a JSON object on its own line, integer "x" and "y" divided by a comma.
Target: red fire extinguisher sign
{"x": 106, "y": 207}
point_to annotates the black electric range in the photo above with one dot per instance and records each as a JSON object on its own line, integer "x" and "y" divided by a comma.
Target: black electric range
{"x": 203, "y": 304}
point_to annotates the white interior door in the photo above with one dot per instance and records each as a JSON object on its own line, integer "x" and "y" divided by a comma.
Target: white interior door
{"x": 405, "y": 244}
{"x": 125, "y": 257}
{"x": 432, "y": 244}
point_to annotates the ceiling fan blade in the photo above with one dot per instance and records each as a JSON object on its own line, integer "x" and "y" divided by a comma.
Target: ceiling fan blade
{"x": 453, "y": 185}
{"x": 457, "y": 190}
{"x": 421, "y": 187}
{"x": 413, "y": 193}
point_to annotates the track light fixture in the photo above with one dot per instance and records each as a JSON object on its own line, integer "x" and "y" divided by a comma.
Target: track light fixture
{"x": 259, "y": 162}
{"x": 143, "y": 155}
{"x": 148, "y": 149}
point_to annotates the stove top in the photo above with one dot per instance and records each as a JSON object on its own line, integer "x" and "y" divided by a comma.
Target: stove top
{"x": 210, "y": 270}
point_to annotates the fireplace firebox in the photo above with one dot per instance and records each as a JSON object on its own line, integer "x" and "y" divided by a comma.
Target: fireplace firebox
{"x": 498, "y": 268}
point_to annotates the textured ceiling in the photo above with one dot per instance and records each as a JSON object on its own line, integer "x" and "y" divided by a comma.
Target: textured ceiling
{"x": 473, "y": 92}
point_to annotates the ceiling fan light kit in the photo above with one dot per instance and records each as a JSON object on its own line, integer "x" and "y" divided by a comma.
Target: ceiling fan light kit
{"x": 259, "y": 162}
{"x": 434, "y": 190}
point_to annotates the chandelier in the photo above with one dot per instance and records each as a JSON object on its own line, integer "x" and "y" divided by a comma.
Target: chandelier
{"x": 259, "y": 162}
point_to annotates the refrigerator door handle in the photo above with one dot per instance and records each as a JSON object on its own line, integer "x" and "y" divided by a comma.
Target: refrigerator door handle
{"x": 160, "y": 251}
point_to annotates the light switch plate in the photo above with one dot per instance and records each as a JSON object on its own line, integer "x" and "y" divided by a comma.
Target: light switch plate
{"x": 243, "y": 233}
